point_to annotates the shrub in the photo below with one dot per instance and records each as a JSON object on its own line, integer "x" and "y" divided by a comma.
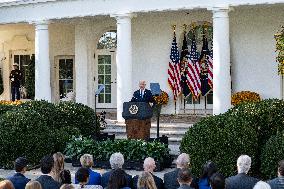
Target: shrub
{"x": 272, "y": 153}
{"x": 245, "y": 96}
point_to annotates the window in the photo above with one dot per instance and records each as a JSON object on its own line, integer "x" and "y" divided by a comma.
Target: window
{"x": 108, "y": 40}
{"x": 65, "y": 77}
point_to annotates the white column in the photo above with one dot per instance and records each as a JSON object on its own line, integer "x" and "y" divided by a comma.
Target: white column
{"x": 221, "y": 61}
{"x": 42, "y": 63}
{"x": 123, "y": 61}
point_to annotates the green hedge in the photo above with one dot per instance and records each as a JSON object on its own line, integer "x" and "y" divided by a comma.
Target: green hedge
{"x": 136, "y": 150}
{"x": 244, "y": 129}
{"x": 37, "y": 128}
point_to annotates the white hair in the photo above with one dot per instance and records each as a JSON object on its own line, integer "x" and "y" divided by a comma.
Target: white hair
{"x": 261, "y": 185}
{"x": 183, "y": 160}
{"x": 149, "y": 164}
{"x": 116, "y": 160}
{"x": 243, "y": 163}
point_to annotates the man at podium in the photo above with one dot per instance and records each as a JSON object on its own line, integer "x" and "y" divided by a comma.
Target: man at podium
{"x": 143, "y": 94}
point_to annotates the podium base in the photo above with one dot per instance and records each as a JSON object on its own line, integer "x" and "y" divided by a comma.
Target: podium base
{"x": 138, "y": 129}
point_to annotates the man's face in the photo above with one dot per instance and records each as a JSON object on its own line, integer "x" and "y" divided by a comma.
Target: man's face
{"x": 15, "y": 67}
{"x": 142, "y": 85}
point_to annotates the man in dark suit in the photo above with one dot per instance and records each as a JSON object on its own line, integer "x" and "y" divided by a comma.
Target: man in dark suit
{"x": 143, "y": 94}
{"x": 242, "y": 180}
{"x": 116, "y": 161}
{"x": 18, "y": 179}
{"x": 278, "y": 183}
{"x": 15, "y": 77}
{"x": 184, "y": 178}
{"x": 46, "y": 181}
{"x": 149, "y": 166}
{"x": 170, "y": 179}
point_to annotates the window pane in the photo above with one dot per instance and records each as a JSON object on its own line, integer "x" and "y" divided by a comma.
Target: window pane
{"x": 108, "y": 40}
{"x": 189, "y": 99}
{"x": 107, "y": 59}
{"x": 65, "y": 86}
{"x": 101, "y": 79}
{"x": 108, "y": 69}
{"x": 101, "y": 69}
{"x": 108, "y": 88}
{"x": 16, "y": 59}
{"x": 108, "y": 98}
{"x": 210, "y": 98}
{"x": 100, "y": 59}
{"x": 108, "y": 79}
{"x": 101, "y": 98}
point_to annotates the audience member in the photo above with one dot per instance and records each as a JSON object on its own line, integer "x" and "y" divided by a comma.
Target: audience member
{"x": 118, "y": 180}
{"x": 262, "y": 185}
{"x": 87, "y": 162}
{"x": 146, "y": 181}
{"x": 116, "y": 162}
{"x": 6, "y": 184}
{"x": 278, "y": 183}
{"x": 184, "y": 178}
{"x": 82, "y": 176}
{"x": 33, "y": 185}
{"x": 217, "y": 181}
{"x": 209, "y": 168}
{"x": 58, "y": 166}
{"x": 18, "y": 179}
{"x": 65, "y": 177}
{"x": 67, "y": 186}
{"x": 242, "y": 180}
{"x": 170, "y": 179}
{"x": 46, "y": 181}
{"x": 149, "y": 166}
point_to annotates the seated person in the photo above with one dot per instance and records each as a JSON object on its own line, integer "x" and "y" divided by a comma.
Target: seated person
{"x": 143, "y": 94}
{"x": 82, "y": 176}
{"x": 18, "y": 179}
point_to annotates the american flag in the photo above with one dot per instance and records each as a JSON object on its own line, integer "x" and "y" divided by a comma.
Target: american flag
{"x": 193, "y": 74}
{"x": 210, "y": 70}
{"x": 174, "y": 78}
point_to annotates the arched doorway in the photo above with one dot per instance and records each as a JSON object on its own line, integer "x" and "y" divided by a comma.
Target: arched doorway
{"x": 105, "y": 66}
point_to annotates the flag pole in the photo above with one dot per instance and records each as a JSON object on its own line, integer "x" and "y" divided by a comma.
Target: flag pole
{"x": 205, "y": 105}
{"x": 175, "y": 107}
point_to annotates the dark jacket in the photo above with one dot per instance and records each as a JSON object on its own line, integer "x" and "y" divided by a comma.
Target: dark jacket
{"x": 94, "y": 178}
{"x": 184, "y": 186}
{"x": 158, "y": 181}
{"x": 170, "y": 180}
{"x": 105, "y": 178}
{"x": 241, "y": 181}
{"x": 277, "y": 183}
{"x": 16, "y": 77}
{"x": 147, "y": 96}
{"x": 47, "y": 182}
{"x": 19, "y": 180}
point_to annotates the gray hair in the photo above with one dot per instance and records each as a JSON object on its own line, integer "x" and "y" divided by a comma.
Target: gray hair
{"x": 116, "y": 160}
{"x": 183, "y": 160}
{"x": 149, "y": 164}
{"x": 261, "y": 185}
{"x": 243, "y": 163}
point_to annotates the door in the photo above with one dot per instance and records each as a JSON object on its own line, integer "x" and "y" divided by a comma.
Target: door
{"x": 200, "y": 105}
{"x": 106, "y": 75}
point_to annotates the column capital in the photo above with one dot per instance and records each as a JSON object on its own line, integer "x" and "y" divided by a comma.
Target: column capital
{"x": 221, "y": 11}
{"x": 41, "y": 24}
{"x": 123, "y": 16}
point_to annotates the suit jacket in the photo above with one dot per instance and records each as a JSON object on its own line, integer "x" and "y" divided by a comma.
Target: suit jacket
{"x": 184, "y": 186}
{"x": 94, "y": 178}
{"x": 147, "y": 96}
{"x": 19, "y": 180}
{"x": 170, "y": 180}
{"x": 241, "y": 181}
{"x": 47, "y": 182}
{"x": 105, "y": 178}
{"x": 277, "y": 183}
{"x": 158, "y": 181}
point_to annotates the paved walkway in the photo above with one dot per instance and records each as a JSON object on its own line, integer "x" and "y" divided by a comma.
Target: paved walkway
{"x": 36, "y": 173}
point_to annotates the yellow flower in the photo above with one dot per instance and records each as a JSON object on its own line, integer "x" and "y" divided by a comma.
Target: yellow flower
{"x": 245, "y": 96}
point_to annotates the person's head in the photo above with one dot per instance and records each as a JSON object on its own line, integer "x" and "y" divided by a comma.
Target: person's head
{"x": 217, "y": 181}
{"x": 65, "y": 176}
{"x": 149, "y": 164}
{"x": 16, "y": 66}
{"x": 82, "y": 175}
{"x": 209, "y": 168}
{"x": 142, "y": 84}
{"x": 183, "y": 161}
{"x": 87, "y": 161}
{"x": 33, "y": 185}
{"x": 6, "y": 184}
{"x": 117, "y": 179}
{"x": 67, "y": 186}
{"x": 116, "y": 161}
{"x": 243, "y": 164}
{"x": 281, "y": 168}
{"x": 184, "y": 176}
{"x": 146, "y": 180}
{"x": 46, "y": 164}
{"x": 21, "y": 165}
{"x": 261, "y": 185}
{"x": 58, "y": 158}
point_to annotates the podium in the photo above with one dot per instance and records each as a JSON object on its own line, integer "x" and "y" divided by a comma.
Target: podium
{"x": 137, "y": 117}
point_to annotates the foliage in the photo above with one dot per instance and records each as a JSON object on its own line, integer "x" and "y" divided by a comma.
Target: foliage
{"x": 30, "y": 78}
{"x": 244, "y": 129}
{"x": 162, "y": 99}
{"x": 136, "y": 150}
{"x": 272, "y": 153}
{"x": 279, "y": 37}
{"x": 245, "y": 96}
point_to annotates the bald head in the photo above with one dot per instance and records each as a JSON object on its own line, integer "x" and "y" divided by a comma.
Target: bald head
{"x": 149, "y": 164}
{"x": 142, "y": 84}
{"x": 183, "y": 161}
